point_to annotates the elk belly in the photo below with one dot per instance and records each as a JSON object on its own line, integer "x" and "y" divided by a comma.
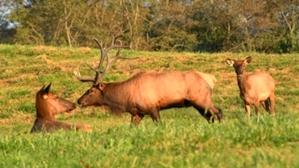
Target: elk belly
{"x": 264, "y": 96}
{"x": 174, "y": 103}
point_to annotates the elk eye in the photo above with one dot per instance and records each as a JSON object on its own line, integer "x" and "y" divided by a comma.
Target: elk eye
{"x": 90, "y": 90}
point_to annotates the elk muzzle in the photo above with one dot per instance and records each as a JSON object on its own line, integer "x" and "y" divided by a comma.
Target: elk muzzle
{"x": 69, "y": 106}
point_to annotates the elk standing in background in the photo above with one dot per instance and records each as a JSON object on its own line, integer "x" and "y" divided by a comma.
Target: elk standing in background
{"x": 47, "y": 105}
{"x": 254, "y": 88}
{"x": 148, "y": 92}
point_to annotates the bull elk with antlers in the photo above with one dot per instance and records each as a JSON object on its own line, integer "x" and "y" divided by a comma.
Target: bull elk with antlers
{"x": 254, "y": 88}
{"x": 47, "y": 105}
{"x": 148, "y": 92}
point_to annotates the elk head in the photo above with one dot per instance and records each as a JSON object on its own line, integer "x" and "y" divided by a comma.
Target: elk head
{"x": 47, "y": 104}
{"x": 239, "y": 65}
{"x": 94, "y": 95}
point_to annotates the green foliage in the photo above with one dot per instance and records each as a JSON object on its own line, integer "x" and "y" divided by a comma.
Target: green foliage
{"x": 151, "y": 25}
{"x": 182, "y": 139}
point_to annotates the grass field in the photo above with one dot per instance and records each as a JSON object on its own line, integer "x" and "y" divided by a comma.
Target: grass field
{"x": 182, "y": 139}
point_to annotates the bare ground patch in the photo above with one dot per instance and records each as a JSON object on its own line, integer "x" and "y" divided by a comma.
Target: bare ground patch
{"x": 7, "y": 82}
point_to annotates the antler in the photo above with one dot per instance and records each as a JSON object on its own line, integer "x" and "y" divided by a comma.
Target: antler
{"x": 104, "y": 54}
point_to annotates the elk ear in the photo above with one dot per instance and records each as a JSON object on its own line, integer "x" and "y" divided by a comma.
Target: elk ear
{"x": 45, "y": 96}
{"x": 46, "y": 91}
{"x": 248, "y": 59}
{"x": 101, "y": 86}
{"x": 230, "y": 62}
{"x": 41, "y": 89}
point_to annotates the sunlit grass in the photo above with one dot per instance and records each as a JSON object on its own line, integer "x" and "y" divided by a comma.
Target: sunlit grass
{"x": 182, "y": 139}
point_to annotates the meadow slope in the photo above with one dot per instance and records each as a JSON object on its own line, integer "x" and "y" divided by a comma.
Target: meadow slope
{"x": 183, "y": 139}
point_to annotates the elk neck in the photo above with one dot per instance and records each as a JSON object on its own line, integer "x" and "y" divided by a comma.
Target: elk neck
{"x": 42, "y": 110}
{"x": 241, "y": 78}
{"x": 115, "y": 97}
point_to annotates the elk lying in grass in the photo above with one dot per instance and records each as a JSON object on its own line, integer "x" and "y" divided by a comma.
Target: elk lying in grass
{"x": 148, "y": 92}
{"x": 47, "y": 105}
{"x": 254, "y": 88}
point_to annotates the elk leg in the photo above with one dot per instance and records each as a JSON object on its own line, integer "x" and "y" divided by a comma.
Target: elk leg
{"x": 217, "y": 112}
{"x": 257, "y": 109}
{"x": 267, "y": 105}
{"x": 272, "y": 103}
{"x": 206, "y": 113}
{"x": 87, "y": 128}
{"x": 214, "y": 112}
{"x": 247, "y": 108}
{"x": 137, "y": 118}
{"x": 264, "y": 104}
{"x": 203, "y": 108}
{"x": 155, "y": 115}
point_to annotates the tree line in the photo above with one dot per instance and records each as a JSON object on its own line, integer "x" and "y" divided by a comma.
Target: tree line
{"x": 269, "y": 26}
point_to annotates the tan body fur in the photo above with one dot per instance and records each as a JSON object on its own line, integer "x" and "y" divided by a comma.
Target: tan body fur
{"x": 149, "y": 92}
{"x": 257, "y": 87}
{"x": 254, "y": 88}
{"x": 47, "y": 105}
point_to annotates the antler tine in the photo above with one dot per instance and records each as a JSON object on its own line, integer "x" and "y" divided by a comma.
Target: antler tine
{"x": 117, "y": 56}
{"x": 115, "y": 46}
{"x": 102, "y": 57}
{"x": 104, "y": 53}
{"x": 111, "y": 59}
{"x": 95, "y": 69}
{"x": 78, "y": 76}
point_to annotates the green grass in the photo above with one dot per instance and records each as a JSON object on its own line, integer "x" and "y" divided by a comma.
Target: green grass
{"x": 182, "y": 139}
